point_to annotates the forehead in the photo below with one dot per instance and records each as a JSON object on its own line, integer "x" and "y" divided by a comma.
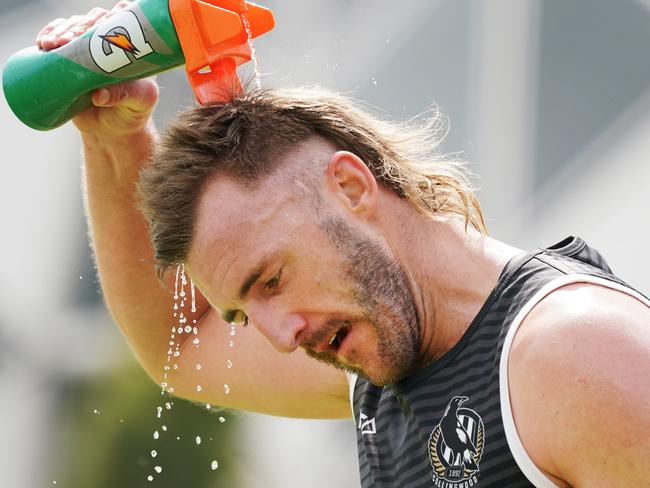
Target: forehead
{"x": 234, "y": 223}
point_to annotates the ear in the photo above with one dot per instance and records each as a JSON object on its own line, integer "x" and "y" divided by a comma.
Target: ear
{"x": 352, "y": 183}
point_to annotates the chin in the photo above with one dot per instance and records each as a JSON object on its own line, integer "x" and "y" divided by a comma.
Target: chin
{"x": 379, "y": 378}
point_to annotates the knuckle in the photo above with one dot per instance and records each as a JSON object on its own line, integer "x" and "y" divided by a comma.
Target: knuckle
{"x": 95, "y": 12}
{"x": 55, "y": 22}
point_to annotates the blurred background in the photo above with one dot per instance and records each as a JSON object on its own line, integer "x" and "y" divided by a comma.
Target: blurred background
{"x": 548, "y": 100}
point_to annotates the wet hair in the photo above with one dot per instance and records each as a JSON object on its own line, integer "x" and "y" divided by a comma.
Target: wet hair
{"x": 246, "y": 138}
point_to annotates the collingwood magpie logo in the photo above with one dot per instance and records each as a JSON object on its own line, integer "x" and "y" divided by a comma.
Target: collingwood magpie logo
{"x": 456, "y": 445}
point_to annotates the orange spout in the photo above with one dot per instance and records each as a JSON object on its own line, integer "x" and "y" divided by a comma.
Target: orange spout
{"x": 214, "y": 40}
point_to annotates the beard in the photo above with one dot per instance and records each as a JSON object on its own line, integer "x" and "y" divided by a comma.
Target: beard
{"x": 381, "y": 289}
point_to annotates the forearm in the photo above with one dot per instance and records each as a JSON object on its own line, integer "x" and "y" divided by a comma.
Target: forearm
{"x": 138, "y": 302}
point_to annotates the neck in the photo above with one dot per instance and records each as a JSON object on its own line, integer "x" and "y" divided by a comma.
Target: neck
{"x": 452, "y": 271}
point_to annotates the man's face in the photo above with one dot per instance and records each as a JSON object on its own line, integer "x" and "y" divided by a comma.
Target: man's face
{"x": 305, "y": 276}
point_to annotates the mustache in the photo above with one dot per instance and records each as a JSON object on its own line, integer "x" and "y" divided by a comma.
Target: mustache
{"x": 325, "y": 332}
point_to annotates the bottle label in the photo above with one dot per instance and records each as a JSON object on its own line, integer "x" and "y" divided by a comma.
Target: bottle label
{"x": 120, "y": 46}
{"x": 112, "y": 42}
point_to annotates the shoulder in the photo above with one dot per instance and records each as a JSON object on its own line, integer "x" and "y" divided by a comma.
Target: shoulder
{"x": 578, "y": 374}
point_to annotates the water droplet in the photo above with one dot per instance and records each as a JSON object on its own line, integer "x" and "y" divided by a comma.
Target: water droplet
{"x": 208, "y": 406}
{"x": 214, "y": 465}
{"x": 176, "y": 354}
{"x": 198, "y": 440}
{"x": 170, "y": 389}
{"x": 226, "y": 389}
{"x": 196, "y": 341}
{"x": 194, "y": 329}
{"x": 198, "y": 388}
{"x": 154, "y": 454}
{"x": 178, "y": 438}
{"x": 95, "y": 411}
{"x": 175, "y": 367}
{"x": 231, "y": 343}
{"x": 121, "y": 421}
{"x": 156, "y": 435}
{"x": 222, "y": 419}
{"x": 188, "y": 328}
{"x": 150, "y": 478}
{"x": 54, "y": 482}
{"x": 157, "y": 469}
{"x": 164, "y": 428}
{"x": 229, "y": 364}
{"x": 374, "y": 81}
{"x": 198, "y": 366}
{"x": 158, "y": 412}
{"x": 168, "y": 406}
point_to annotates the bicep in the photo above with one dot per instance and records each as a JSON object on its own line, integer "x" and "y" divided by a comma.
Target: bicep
{"x": 244, "y": 371}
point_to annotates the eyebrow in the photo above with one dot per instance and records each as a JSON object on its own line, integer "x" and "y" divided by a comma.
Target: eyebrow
{"x": 252, "y": 277}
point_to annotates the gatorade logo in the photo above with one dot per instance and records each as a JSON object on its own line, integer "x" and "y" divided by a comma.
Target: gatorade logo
{"x": 118, "y": 42}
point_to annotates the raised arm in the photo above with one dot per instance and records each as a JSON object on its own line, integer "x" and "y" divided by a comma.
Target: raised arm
{"x": 118, "y": 140}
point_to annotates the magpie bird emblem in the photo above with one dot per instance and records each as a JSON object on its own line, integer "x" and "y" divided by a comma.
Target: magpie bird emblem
{"x": 456, "y": 443}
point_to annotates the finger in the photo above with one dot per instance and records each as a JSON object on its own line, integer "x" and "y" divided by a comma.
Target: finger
{"x": 55, "y": 38}
{"x": 121, "y": 5}
{"x": 47, "y": 29}
{"x": 88, "y": 21}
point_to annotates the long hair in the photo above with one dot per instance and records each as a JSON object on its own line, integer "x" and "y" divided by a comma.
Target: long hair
{"x": 246, "y": 137}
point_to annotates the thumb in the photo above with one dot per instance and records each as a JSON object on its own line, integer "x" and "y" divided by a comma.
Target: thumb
{"x": 138, "y": 95}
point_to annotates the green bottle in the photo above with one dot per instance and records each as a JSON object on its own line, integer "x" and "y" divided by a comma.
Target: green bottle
{"x": 45, "y": 89}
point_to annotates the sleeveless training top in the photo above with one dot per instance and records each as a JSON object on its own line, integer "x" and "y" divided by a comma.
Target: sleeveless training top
{"x": 450, "y": 425}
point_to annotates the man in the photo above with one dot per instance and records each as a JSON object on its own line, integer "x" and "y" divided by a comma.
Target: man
{"x": 343, "y": 238}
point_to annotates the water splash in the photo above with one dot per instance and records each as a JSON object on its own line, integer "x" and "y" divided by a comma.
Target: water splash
{"x": 251, "y": 45}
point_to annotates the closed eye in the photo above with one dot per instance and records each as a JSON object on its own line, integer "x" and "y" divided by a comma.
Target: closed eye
{"x": 236, "y": 317}
{"x": 273, "y": 282}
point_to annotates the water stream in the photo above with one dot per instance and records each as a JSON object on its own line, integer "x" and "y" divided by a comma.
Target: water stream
{"x": 251, "y": 45}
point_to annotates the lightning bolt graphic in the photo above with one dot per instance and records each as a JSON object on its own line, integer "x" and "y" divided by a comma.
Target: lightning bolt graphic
{"x": 121, "y": 41}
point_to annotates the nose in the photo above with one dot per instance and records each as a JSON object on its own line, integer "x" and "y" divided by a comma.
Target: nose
{"x": 282, "y": 330}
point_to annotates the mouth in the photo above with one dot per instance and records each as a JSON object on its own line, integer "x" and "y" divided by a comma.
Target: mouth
{"x": 337, "y": 339}
{"x": 328, "y": 342}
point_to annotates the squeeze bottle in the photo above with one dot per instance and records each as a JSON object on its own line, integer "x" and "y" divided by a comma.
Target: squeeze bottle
{"x": 211, "y": 37}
